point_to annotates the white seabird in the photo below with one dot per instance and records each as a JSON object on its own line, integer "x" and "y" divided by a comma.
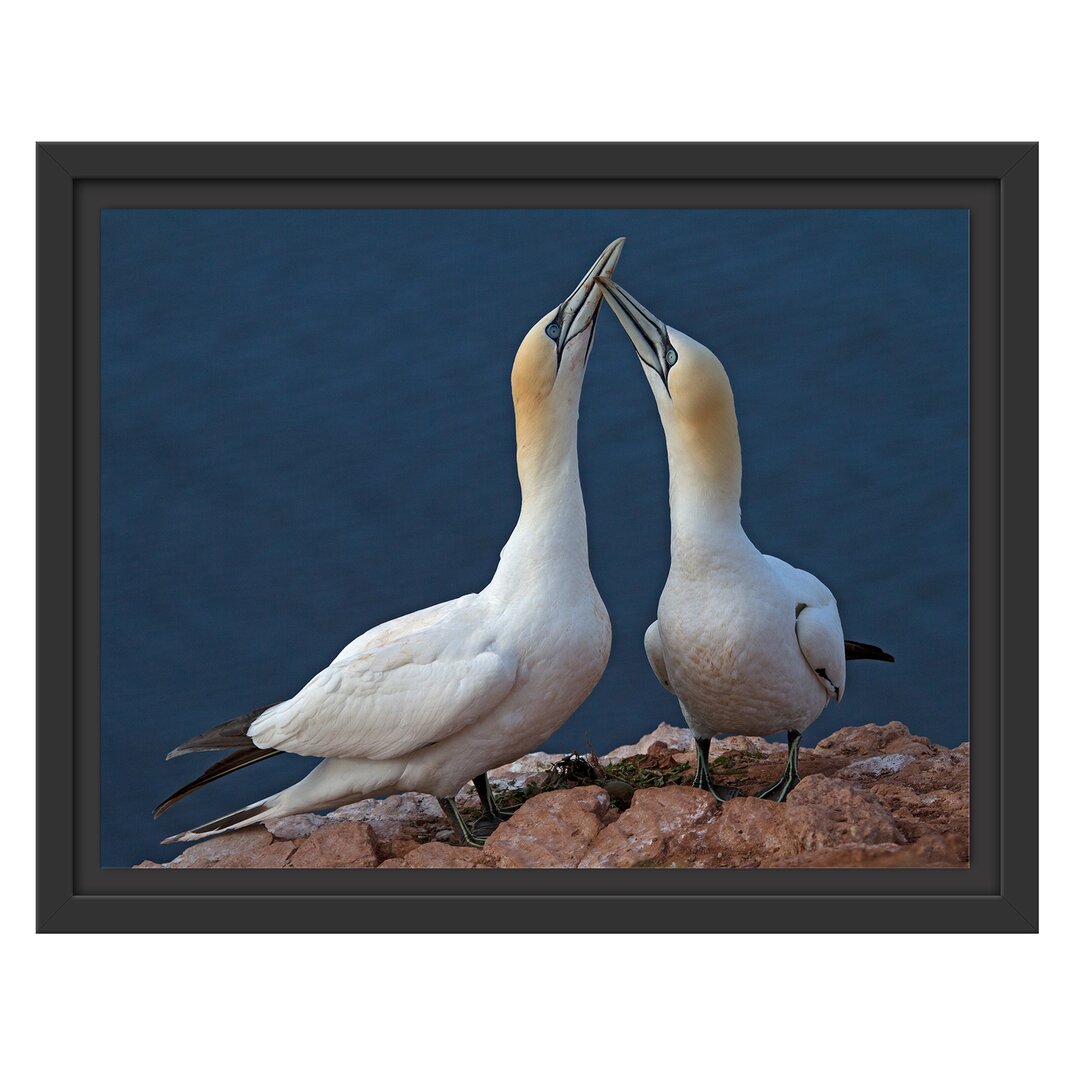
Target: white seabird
{"x": 748, "y": 644}
{"x": 436, "y": 698}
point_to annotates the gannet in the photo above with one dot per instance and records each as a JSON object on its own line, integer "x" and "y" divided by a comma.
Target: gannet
{"x": 431, "y": 700}
{"x": 748, "y": 644}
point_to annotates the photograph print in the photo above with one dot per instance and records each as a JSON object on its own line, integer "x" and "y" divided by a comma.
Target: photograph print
{"x": 499, "y": 539}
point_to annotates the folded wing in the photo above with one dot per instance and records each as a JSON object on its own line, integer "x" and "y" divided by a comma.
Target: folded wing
{"x": 821, "y": 639}
{"x": 654, "y": 650}
{"x": 396, "y": 689}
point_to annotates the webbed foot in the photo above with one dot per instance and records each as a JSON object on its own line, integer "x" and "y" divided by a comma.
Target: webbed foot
{"x": 468, "y": 837}
{"x": 485, "y": 825}
{"x": 779, "y": 791}
{"x": 702, "y": 779}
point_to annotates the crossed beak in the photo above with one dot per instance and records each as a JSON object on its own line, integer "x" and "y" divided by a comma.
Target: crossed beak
{"x": 577, "y": 313}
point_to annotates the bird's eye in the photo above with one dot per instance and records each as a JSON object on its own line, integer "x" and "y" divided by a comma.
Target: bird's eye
{"x": 553, "y": 331}
{"x": 671, "y": 357}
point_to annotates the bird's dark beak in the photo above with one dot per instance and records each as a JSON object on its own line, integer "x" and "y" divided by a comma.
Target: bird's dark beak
{"x": 577, "y": 313}
{"x": 646, "y": 332}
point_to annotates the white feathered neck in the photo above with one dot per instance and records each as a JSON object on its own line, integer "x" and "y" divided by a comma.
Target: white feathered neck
{"x": 697, "y": 409}
{"x": 551, "y": 529}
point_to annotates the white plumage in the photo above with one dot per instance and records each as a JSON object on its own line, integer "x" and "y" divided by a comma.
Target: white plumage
{"x": 438, "y": 672}
{"x": 739, "y": 658}
{"x": 748, "y": 644}
{"x": 431, "y": 700}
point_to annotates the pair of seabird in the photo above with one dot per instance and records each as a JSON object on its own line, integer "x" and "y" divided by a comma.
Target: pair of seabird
{"x": 436, "y": 698}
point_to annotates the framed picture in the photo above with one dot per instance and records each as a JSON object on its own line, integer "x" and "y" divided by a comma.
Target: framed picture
{"x": 280, "y": 388}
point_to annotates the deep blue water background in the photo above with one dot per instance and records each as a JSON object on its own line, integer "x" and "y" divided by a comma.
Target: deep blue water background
{"x": 307, "y": 429}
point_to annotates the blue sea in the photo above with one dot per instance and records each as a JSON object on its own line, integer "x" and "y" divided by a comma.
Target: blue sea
{"x": 306, "y": 429}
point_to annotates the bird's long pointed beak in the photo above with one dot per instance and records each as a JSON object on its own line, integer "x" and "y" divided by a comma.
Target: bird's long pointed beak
{"x": 578, "y": 311}
{"x": 646, "y": 332}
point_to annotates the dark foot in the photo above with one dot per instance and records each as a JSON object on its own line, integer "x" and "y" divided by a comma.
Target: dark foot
{"x": 779, "y": 791}
{"x": 720, "y": 791}
{"x": 484, "y": 826}
{"x": 703, "y": 780}
{"x": 468, "y": 837}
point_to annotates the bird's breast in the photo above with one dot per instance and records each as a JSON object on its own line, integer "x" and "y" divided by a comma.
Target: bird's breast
{"x": 563, "y": 639}
{"x": 733, "y": 657}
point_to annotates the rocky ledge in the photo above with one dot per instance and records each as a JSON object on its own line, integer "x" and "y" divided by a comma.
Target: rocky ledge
{"x": 870, "y": 796}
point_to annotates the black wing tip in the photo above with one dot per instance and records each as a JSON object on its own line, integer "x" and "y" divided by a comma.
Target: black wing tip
{"x": 228, "y": 736}
{"x": 239, "y": 759}
{"x": 859, "y": 650}
{"x": 172, "y": 800}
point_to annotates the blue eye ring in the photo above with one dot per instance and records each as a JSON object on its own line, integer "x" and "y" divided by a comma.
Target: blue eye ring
{"x": 671, "y": 356}
{"x": 553, "y": 330}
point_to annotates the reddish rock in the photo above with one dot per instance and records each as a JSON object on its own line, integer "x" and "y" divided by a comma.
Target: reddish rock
{"x": 930, "y": 851}
{"x": 820, "y": 813}
{"x": 944, "y": 811}
{"x": 745, "y": 744}
{"x": 676, "y": 738}
{"x": 296, "y": 827}
{"x": 437, "y": 856}
{"x": 398, "y": 849}
{"x": 646, "y": 833}
{"x": 398, "y": 822}
{"x": 876, "y": 740}
{"x": 553, "y": 829}
{"x": 863, "y": 755}
{"x": 746, "y": 832}
{"x": 408, "y": 806}
{"x": 530, "y": 769}
{"x": 944, "y": 770}
{"x": 830, "y": 808}
{"x": 870, "y": 796}
{"x": 336, "y": 844}
{"x": 250, "y": 848}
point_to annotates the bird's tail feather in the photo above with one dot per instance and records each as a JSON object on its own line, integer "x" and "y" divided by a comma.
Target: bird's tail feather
{"x": 233, "y": 733}
{"x": 856, "y": 650}
{"x": 249, "y": 815}
{"x": 239, "y": 760}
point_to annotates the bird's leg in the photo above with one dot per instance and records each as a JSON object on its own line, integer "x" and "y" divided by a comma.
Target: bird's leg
{"x": 703, "y": 780}
{"x": 465, "y": 834}
{"x": 487, "y": 799}
{"x": 493, "y": 815}
{"x": 778, "y": 792}
{"x": 701, "y": 777}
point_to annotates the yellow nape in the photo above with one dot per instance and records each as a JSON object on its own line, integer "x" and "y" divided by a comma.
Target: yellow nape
{"x": 701, "y": 419}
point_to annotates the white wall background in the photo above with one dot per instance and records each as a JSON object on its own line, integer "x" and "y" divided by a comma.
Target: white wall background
{"x": 678, "y": 70}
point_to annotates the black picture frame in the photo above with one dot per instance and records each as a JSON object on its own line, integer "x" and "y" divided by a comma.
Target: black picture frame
{"x": 997, "y": 182}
